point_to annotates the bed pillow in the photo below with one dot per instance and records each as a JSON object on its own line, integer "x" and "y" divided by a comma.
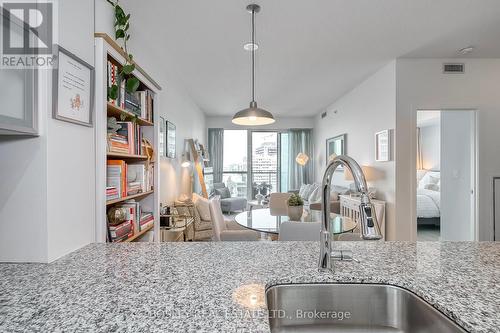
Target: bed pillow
{"x": 428, "y": 179}
{"x": 432, "y": 187}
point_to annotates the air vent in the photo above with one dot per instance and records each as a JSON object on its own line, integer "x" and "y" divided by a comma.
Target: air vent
{"x": 323, "y": 115}
{"x": 453, "y": 68}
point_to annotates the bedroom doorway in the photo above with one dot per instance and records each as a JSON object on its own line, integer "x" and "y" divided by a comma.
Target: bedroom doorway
{"x": 446, "y": 154}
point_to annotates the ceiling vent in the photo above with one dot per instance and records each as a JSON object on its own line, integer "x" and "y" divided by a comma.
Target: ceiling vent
{"x": 453, "y": 68}
{"x": 323, "y": 115}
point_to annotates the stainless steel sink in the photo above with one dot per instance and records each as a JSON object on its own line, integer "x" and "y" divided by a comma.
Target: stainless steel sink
{"x": 352, "y": 308}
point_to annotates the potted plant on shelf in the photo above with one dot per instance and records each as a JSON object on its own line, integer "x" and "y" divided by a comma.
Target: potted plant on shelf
{"x": 295, "y": 207}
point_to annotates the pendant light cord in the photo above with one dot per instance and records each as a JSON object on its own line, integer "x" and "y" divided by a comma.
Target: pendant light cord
{"x": 253, "y": 55}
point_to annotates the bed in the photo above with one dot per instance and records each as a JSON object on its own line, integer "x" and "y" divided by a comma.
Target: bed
{"x": 428, "y": 197}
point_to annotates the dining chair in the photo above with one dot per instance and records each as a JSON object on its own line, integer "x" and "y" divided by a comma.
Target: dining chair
{"x": 278, "y": 203}
{"x": 299, "y": 231}
{"x": 220, "y": 230}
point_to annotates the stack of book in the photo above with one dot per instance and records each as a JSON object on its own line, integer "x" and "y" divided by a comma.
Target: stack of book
{"x": 116, "y": 175}
{"x": 112, "y": 193}
{"x": 121, "y": 232}
{"x": 139, "y": 103}
{"x": 128, "y": 179}
{"x": 147, "y": 220}
{"x": 132, "y": 133}
{"x": 118, "y": 143}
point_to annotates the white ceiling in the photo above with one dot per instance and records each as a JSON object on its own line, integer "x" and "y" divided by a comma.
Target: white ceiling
{"x": 311, "y": 52}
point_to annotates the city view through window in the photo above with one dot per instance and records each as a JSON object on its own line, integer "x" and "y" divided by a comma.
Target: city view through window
{"x": 263, "y": 166}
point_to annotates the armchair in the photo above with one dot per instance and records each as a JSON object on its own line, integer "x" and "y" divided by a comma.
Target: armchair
{"x": 229, "y": 204}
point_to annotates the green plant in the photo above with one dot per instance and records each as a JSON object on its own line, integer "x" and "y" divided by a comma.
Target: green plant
{"x": 122, "y": 25}
{"x": 295, "y": 200}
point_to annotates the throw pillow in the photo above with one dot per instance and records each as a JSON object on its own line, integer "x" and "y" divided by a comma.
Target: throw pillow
{"x": 202, "y": 205}
{"x": 301, "y": 190}
{"x": 223, "y": 193}
{"x": 315, "y": 195}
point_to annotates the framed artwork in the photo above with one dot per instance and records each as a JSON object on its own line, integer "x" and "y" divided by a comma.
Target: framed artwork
{"x": 335, "y": 146}
{"x": 163, "y": 138}
{"x": 73, "y": 89}
{"x": 170, "y": 140}
{"x": 383, "y": 146}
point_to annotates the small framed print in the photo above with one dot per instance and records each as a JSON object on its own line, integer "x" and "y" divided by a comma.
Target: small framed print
{"x": 73, "y": 89}
{"x": 171, "y": 140}
{"x": 383, "y": 146}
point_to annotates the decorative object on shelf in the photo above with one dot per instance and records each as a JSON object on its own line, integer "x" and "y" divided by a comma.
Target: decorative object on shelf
{"x": 73, "y": 89}
{"x": 302, "y": 159}
{"x": 334, "y": 147}
{"x": 117, "y": 215}
{"x": 113, "y": 126}
{"x": 253, "y": 116}
{"x": 170, "y": 140}
{"x": 383, "y": 146}
{"x": 162, "y": 146}
{"x": 122, "y": 25}
{"x": 148, "y": 150}
{"x": 295, "y": 207}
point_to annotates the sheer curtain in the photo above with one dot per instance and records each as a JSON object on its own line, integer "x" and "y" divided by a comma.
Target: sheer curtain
{"x": 300, "y": 141}
{"x": 216, "y": 152}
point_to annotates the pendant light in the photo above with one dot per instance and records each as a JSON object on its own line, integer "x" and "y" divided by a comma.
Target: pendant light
{"x": 253, "y": 116}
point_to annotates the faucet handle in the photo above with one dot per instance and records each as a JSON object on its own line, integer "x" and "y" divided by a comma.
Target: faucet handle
{"x": 370, "y": 229}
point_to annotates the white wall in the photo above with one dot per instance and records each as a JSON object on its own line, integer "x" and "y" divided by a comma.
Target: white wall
{"x": 281, "y": 123}
{"x": 421, "y": 84}
{"x": 430, "y": 147}
{"x": 47, "y": 197}
{"x": 367, "y": 109}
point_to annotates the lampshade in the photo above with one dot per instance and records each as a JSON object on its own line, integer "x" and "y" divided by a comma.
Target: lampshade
{"x": 302, "y": 159}
{"x": 369, "y": 172}
{"x": 253, "y": 116}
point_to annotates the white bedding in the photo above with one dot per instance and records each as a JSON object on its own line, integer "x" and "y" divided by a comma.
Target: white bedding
{"x": 428, "y": 203}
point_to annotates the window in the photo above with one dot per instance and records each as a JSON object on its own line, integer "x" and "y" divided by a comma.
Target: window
{"x": 264, "y": 162}
{"x": 235, "y": 162}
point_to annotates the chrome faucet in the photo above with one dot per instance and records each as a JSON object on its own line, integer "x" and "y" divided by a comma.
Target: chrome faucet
{"x": 370, "y": 229}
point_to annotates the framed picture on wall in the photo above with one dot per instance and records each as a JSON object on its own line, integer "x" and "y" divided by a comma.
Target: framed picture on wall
{"x": 170, "y": 140}
{"x": 163, "y": 138}
{"x": 73, "y": 89}
{"x": 383, "y": 146}
{"x": 335, "y": 146}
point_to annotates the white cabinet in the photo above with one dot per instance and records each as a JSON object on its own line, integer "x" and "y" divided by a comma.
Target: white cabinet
{"x": 349, "y": 206}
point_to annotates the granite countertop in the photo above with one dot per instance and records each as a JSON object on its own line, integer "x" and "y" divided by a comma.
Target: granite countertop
{"x": 219, "y": 287}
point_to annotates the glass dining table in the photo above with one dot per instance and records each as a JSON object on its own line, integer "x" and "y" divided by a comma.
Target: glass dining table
{"x": 263, "y": 220}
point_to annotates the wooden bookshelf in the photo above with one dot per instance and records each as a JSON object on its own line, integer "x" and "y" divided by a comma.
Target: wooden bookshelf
{"x": 126, "y": 156}
{"x": 109, "y": 55}
{"x": 118, "y": 112}
{"x": 137, "y": 235}
{"x": 130, "y": 197}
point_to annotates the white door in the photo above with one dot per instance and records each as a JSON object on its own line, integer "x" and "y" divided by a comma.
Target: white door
{"x": 457, "y": 175}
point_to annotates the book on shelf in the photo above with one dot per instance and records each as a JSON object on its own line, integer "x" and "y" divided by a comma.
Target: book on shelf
{"x": 140, "y": 103}
{"x": 129, "y": 137}
{"x": 147, "y": 220}
{"x": 121, "y": 231}
{"x": 116, "y": 176}
{"x": 135, "y": 221}
{"x": 128, "y": 179}
{"x": 118, "y": 143}
{"x": 112, "y": 193}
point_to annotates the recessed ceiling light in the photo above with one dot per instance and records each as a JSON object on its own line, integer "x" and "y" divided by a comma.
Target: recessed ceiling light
{"x": 250, "y": 46}
{"x": 466, "y": 50}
